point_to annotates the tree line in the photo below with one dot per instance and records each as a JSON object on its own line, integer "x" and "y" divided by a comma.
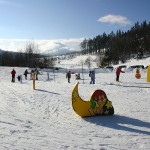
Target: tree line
{"x": 31, "y": 57}
{"x": 120, "y": 46}
{"x": 109, "y": 48}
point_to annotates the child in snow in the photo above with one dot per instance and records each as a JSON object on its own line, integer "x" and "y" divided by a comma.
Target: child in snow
{"x": 118, "y": 71}
{"x": 92, "y": 75}
{"x": 25, "y": 74}
{"x": 20, "y": 78}
{"x": 77, "y": 76}
{"x": 68, "y": 75}
{"x": 13, "y": 72}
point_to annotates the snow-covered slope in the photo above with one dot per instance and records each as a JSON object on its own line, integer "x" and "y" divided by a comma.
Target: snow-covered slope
{"x": 43, "y": 119}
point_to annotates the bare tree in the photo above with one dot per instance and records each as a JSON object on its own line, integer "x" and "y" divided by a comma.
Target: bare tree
{"x": 32, "y": 54}
{"x": 88, "y": 62}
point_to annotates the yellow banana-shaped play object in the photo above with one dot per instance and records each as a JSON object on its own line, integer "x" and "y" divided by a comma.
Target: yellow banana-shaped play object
{"x": 80, "y": 106}
{"x": 97, "y": 105}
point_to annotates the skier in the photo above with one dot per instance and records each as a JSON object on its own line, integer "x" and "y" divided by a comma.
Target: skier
{"x": 92, "y": 75}
{"x": 13, "y": 72}
{"x": 68, "y": 75}
{"x": 118, "y": 71}
{"x": 25, "y": 74}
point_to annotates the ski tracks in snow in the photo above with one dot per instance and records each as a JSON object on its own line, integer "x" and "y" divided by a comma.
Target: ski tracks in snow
{"x": 44, "y": 119}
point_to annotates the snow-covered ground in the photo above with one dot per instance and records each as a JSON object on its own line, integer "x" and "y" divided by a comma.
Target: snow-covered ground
{"x": 43, "y": 119}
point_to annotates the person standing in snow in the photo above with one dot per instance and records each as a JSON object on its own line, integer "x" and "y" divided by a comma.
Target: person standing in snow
{"x": 92, "y": 75}
{"x": 13, "y": 72}
{"x": 68, "y": 76}
{"x": 25, "y": 74}
{"x": 118, "y": 71}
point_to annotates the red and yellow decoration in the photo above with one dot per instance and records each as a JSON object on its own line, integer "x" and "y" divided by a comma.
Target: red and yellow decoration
{"x": 98, "y": 104}
{"x": 138, "y": 75}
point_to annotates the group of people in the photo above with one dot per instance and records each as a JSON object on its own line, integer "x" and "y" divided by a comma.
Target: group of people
{"x": 36, "y": 72}
{"x": 68, "y": 75}
{"x": 92, "y": 75}
{"x": 13, "y": 73}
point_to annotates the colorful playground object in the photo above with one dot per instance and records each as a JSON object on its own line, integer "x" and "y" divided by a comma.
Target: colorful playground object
{"x": 148, "y": 74}
{"x": 97, "y": 105}
{"x": 138, "y": 75}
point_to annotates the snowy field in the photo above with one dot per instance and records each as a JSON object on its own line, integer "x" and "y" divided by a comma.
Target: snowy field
{"x": 43, "y": 119}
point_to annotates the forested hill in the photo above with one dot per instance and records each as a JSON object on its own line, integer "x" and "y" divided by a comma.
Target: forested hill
{"x": 110, "y": 49}
{"x": 120, "y": 46}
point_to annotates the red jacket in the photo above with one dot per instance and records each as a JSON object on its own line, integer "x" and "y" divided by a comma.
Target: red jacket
{"x": 13, "y": 72}
{"x": 118, "y": 71}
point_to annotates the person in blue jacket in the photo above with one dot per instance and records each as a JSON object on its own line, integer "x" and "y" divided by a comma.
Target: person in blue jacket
{"x": 92, "y": 75}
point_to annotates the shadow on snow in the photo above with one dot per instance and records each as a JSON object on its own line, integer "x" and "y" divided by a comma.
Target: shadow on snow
{"x": 118, "y": 122}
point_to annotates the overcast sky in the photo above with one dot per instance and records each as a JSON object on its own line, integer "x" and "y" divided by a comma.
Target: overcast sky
{"x": 68, "y": 19}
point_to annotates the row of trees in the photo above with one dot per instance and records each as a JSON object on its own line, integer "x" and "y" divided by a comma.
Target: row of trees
{"x": 31, "y": 57}
{"x": 110, "y": 49}
{"x": 120, "y": 46}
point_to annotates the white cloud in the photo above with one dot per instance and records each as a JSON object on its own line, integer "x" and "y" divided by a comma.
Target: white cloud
{"x": 46, "y": 46}
{"x": 115, "y": 19}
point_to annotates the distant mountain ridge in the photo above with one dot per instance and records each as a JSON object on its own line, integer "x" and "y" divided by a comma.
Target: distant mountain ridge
{"x": 53, "y": 53}
{"x": 51, "y": 47}
{"x": 60, "y": 51}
